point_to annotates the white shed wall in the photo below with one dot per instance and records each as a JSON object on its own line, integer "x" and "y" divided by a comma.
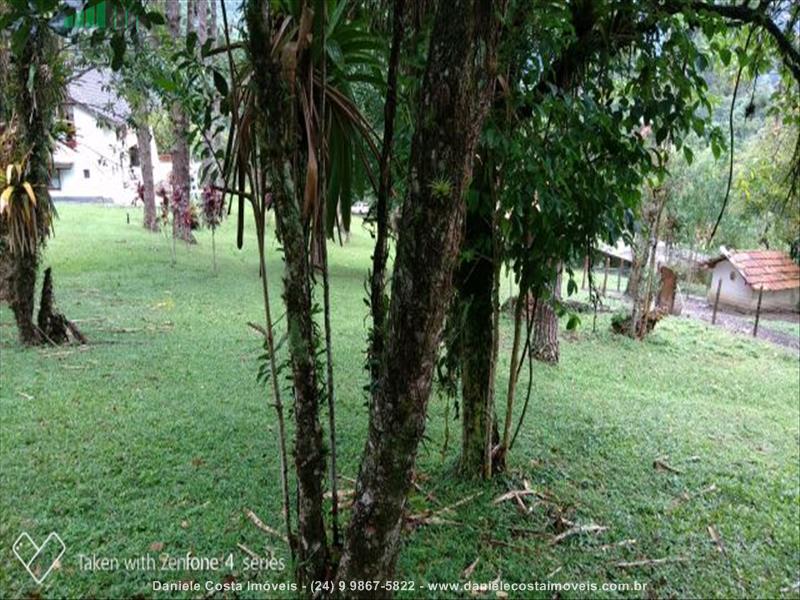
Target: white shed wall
{"x": 736, "y": 293}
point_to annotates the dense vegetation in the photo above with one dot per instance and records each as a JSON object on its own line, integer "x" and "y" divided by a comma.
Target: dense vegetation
{"x": 490, "y": 136}
{"x": 158, "y": 423}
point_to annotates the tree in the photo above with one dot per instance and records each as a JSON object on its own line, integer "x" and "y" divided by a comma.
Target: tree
{"x": 611, "y": 73}
{"x": 544, "y": 345}
{"x": 181, "y": 156}
{"x": 454, "y": 100}
{"x": 34, "y": 81}
{"x": 144, "y": 139}
{"x": 441, "y": 167}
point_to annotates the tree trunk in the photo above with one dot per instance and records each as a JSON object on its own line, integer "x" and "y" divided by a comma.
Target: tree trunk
{"x": 644, "y": 249}
{"x": 204, "y": 32}
{"x": 276, "y": 98}
{"x": 453, "y": 103}
{"x": 144, "y": 141}
{"x": 35, "y": 113}
{"x": 475, "y": 282}
{"x": 544, "y": 346}
{"x": 378, "y": 300}
{"x": 23, "y": 291}
{"x": 212, "y": 26}
{"x": 181, "y": 174}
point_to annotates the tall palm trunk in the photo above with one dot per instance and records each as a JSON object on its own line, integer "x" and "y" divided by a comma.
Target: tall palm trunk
{"x": 23, "y": 291}
{"x": 35, "y": 116}
{"x": 453, "y": 104}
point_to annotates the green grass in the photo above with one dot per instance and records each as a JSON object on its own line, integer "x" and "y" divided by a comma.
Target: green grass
{"x": 157, "y": 433}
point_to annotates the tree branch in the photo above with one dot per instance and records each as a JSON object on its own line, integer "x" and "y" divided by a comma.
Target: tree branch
{"x": 742, "y": 14}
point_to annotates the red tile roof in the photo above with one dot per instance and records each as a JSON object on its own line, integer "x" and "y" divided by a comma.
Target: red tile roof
{"x": 769, "y": 268}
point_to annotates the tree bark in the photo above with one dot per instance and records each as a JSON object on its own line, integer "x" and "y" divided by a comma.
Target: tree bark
{"x": 474, "y": 282}
{"x": 276, "y": 97}
{"x": 23, "y": 291}
{"x": 453, "y": 103}
{"x": 205, "y": 30}
{"x": 144, "y": 139}
{"x": 378, "y": 300}
{"x": 181, "y": 173}
{"x": 544, "y": 346}
{"x": 34, "y": 113}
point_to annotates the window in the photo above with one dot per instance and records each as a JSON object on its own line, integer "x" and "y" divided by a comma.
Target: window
{"x": 55, "y": 180}
{"x": 733, "y": 275}
{"x": 86, "y": 173}
{"x": 133, "y": 155}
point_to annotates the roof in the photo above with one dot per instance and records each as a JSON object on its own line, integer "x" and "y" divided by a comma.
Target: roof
{"x": 93, "y": 91}
{"x": 772, "y": 269}
{"x": 664, "y": 254}
{"x": 620, "y": 251}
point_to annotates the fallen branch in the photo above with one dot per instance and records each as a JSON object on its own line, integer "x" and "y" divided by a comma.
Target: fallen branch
{"x": 513, "y": 495}
{"x": 619, "y": 544}
{"x": 249, "y": 552}
{"x": 648, "y": 562}
{"x": 263, "y": 526}
{"x": 716, "y": 539}
{"x": 577, "y": 530}
{"x": 257, "y": 327}
{"x": 660, "y": 464}
{"x": 467, "y": 573}
{"x": 431, "y": 517}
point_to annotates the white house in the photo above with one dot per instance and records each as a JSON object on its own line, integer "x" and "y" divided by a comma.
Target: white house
{"x": 99, "y": 163}
{"x": 743, "y": 274}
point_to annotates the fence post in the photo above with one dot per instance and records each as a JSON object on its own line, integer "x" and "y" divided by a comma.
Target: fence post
{"x": 716, "y": 301}
{"x": 758, "y": 310}
{"x": 619, "y": 274}
{"x": 605, "y": 275}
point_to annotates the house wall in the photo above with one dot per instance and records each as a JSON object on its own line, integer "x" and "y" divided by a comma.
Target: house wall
{"x": 781, "y": 300}
{"x": 103, "y": 154}
{"x": 736, "y": 293}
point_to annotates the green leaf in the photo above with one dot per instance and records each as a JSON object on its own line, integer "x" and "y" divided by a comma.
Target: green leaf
{"x": 716, "y": 150}
{"x": 573, "y": 322}
{"x": 191, "y": 42}
{"x": 220, "y": 83}
{"x": 572, "y": 287}
{"x": 118, "y": 50}
{"x": 156, "y": 18}
{"x": 688, "y": 154}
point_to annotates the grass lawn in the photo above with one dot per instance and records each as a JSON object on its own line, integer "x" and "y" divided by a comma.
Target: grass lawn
{"x": 156, "y": 437}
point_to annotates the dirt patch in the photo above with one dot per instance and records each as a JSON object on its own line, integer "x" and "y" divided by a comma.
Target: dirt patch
{"x": 741, "y": 323}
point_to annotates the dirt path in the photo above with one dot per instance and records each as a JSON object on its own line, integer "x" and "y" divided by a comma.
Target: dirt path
{"x": 698, "y": 308}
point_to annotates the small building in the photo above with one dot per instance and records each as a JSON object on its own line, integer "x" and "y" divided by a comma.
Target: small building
{"x": 99, "y": 161}
{"x": 744, "y": 273}
{"x": 666, "y": 254}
